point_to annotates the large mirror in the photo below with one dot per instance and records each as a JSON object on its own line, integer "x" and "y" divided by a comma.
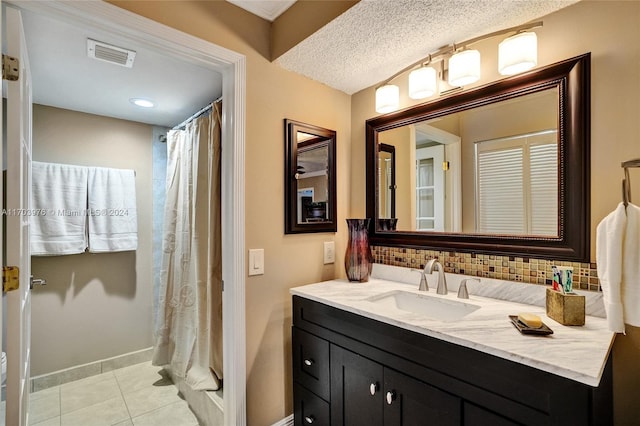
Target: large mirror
{"x": 503, "y": 168}
{"x": 310, "y": 178}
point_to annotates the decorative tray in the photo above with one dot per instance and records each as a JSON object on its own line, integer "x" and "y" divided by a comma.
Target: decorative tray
{"x": 525, "y": 329}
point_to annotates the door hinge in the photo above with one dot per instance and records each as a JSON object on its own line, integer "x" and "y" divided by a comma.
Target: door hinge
{"x": 10, "y": 278}
{"x": 10, "y": 68}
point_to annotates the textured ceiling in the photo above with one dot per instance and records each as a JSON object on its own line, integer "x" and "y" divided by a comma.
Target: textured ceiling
{"x": 377, "y": 38}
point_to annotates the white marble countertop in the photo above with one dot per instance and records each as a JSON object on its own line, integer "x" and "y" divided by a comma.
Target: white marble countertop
{"x": 577, "y": 353}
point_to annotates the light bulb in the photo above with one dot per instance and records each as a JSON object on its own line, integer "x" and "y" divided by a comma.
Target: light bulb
{"x": 518, "y": 53}
{"x": 387, "y": 98}
{"x": 422, "y": 83}
{"x": 464, "y": 68}
{"x": 144, "y": 103}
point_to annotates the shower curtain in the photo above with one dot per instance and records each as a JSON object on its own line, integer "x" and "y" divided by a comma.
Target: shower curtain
{"x": 188, "y": 335}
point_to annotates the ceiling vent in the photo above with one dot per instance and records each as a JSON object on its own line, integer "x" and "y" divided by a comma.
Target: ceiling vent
{"x": 109, "y": 53}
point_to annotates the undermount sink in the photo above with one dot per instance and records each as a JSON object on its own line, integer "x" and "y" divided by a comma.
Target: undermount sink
{"x": 430, "y": 306}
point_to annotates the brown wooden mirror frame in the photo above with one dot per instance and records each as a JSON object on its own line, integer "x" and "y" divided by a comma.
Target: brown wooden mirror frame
{"x": 572, "y": 77}
{"x": 293, "y": 175}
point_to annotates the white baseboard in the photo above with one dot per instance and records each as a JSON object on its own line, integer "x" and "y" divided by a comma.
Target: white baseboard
{"x": 287, "y": 421}
{"x": 83, "y": 371}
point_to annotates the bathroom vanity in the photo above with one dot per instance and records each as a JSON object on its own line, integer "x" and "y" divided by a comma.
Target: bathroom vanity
{"x": 360, "y": 358}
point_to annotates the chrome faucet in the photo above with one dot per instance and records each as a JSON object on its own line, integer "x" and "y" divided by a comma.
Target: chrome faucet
{"x": 428, "y": 269}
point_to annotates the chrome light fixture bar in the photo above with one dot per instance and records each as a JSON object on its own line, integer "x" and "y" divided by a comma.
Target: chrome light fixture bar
{"x": 516, "y": 54}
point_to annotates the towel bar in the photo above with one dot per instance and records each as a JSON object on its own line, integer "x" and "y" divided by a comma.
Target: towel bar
{"x": 626, "y": 182}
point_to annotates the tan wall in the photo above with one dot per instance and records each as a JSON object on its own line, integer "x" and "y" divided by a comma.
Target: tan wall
{"x": 290, "y": 260}
{"x": 610, "y": 31}
{"x": 94, "y": 306}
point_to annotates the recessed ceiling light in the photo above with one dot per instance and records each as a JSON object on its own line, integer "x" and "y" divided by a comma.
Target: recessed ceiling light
{"x": 143, "y": 103}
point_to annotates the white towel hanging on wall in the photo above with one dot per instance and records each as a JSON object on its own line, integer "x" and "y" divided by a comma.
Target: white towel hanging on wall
{"x": 58, "y": 206}
{"x": 76, "y": 207}
{"x": 618, "y": 263}
{"x": 112, "y": 214}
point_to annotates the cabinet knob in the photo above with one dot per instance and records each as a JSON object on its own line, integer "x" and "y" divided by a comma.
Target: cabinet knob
{"x": 391, "y": 396}
{"x": 373, "y": 388}
{"x": 309, "y": 419}
{"x": 308, "y": 362}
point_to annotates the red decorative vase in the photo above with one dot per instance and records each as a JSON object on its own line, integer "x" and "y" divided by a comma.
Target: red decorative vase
{"x": 358, "y": 259}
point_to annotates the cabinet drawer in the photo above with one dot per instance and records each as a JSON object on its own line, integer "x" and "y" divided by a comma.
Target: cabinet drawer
{"x": 308, "y": 408}
{"x": 311, "y": 362}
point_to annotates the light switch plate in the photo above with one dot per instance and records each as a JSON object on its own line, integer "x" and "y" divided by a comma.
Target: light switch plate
{"x": 256, "y": 262}
{"x": 329, "y": 252}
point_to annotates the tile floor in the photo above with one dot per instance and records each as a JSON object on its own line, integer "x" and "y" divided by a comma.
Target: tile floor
{"x": 138, "y": 395}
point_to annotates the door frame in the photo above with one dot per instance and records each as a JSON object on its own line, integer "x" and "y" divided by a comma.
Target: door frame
{"x": 232, "y": 66}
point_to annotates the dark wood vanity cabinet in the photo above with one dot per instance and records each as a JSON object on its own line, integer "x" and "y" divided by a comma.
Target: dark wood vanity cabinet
{"x": 366, "y": 393}
{"x": 349, "y": 370}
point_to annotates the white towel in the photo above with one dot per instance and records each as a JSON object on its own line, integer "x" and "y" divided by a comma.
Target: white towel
{"x": 618, "y": 263}
{"x": 113, "y": 223}
{"x": 58, "y": 206}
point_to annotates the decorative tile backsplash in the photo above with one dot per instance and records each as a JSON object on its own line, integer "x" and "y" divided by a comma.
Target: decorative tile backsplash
{"x": 522, "y": 269}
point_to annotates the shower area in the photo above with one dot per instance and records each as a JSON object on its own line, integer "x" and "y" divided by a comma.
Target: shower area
{"x": 158, "y": 302}
{"x": 188, "y": 259}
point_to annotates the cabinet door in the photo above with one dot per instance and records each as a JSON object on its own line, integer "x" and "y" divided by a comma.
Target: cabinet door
{"x": 476, "y": 416}
{"x": 356, "y": 393}
{"x": 409, "y": 402}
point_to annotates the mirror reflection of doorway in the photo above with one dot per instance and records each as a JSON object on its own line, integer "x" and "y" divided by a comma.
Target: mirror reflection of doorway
{"x": 387, "y": 179}
{"x": 310, "y": 211}
{"x": 430, "y": 188}
{"x": 305, "y": 196}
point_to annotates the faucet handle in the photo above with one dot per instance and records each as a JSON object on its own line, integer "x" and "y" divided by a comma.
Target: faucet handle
{"x": 423, "y": 283}
{"x": 424, "y": 286}
{"x": 463, "y": 293}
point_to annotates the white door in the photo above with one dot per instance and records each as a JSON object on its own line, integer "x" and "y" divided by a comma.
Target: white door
{"x": 17, "y": 214}
{"x": 430, "y": 188}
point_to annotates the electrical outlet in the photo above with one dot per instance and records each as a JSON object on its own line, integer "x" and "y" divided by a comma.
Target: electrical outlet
{"x": 329, "y": 252}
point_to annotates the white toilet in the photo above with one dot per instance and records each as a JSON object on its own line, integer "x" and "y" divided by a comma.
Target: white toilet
{"x": 4, "y": 367}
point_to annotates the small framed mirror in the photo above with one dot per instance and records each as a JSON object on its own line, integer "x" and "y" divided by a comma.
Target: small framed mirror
{"x": 310, "y": 178}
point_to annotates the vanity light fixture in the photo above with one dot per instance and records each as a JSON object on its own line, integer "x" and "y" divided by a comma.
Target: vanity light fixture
{"x": 517, "y": 53}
